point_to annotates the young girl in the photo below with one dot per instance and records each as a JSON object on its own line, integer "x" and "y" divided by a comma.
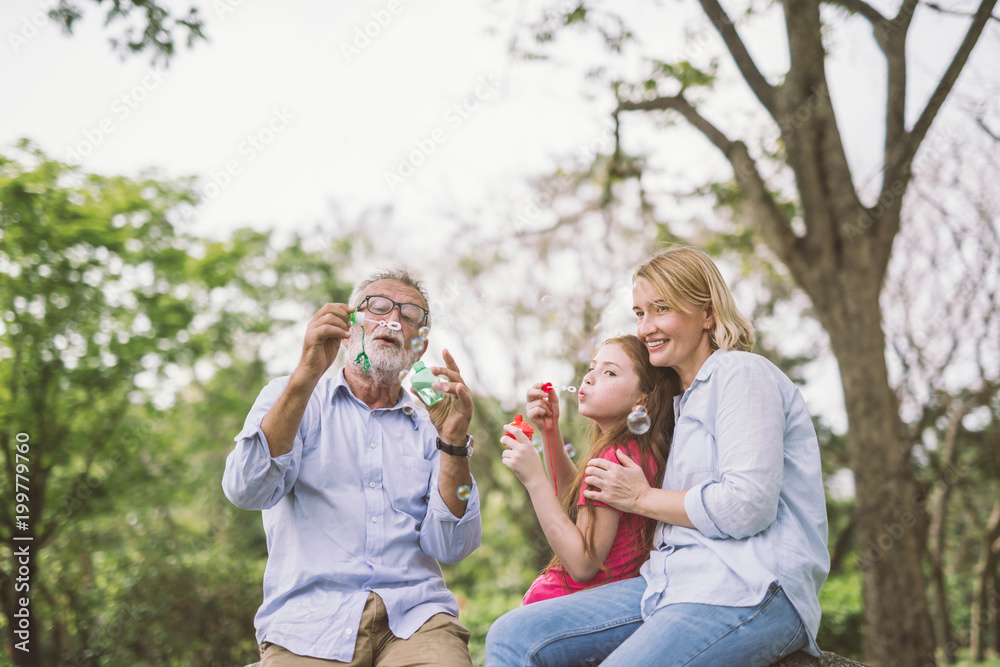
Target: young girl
{"x": 594, "y": 543}
{"x": 740, "y": 547}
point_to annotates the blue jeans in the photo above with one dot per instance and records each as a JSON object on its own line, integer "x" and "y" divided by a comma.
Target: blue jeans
{"x": 603, "y": 626}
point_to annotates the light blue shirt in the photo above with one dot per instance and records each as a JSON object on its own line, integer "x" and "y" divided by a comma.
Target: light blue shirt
{"x": 745, "y": 450}
{"x": 353, "y": 508}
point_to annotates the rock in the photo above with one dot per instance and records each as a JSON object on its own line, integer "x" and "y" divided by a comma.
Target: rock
{"x": 797, "y": 659}
{"x": 803, "y": 659}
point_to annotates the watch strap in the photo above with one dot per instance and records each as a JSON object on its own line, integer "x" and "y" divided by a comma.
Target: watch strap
{"x": 452, "y": 450}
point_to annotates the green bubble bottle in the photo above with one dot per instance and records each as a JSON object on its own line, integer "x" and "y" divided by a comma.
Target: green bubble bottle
{"x": 421, "y": 381}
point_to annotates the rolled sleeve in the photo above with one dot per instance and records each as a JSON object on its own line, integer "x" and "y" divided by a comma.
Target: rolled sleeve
{"x": 742, "y": 500}
{"x": 447, "y": 537}
{"x": 694, "y": 505}
{"x": 254, "y": 480}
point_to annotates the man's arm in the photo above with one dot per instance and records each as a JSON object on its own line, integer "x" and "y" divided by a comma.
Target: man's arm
{"x": 324, "y": 333}
{"x": 449, "y": 536}
{"x": 254, "y": 479}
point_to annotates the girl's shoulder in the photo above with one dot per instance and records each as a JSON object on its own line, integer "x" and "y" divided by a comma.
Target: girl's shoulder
{"x": 644, "y": 459}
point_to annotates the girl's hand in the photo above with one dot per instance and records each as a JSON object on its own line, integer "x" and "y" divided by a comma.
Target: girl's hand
{"x": 522, "y": 458}
{"x": 543, "y": 407}
{"x": 621, "y": 486}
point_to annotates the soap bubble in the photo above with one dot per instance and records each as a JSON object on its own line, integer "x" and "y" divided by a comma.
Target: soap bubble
{"x": 638, "y": 421}
{"x": 424, "y": 332}
{"x": 536, "y": 442}
{"x": 417, "y": 344}
{"x": 548, "y": 303}
{"x": 464, "y": 492}
{"x": 570, "y": 449}
{"x": 571, "y": 389}
{"x": 443, "y": 378}
{"x": 403, "y": 374}
{"x": 407, "y": 409}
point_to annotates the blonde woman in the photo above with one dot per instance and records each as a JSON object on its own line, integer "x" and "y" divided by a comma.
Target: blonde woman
{"x": 739, "y": 552}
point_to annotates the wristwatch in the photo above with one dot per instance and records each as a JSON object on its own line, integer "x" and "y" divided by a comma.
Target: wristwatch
{"x": 465, "y": 450}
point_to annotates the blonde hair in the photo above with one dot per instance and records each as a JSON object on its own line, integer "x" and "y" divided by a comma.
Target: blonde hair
{"x": 683, "y": 277}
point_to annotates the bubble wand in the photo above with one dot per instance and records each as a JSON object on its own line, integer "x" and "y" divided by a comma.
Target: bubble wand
{"x": 357, "y": 317}
{"x": 549, "y": 447}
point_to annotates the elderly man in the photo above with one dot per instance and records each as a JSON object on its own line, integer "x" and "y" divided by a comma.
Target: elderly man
{"x": 361, "y": 494}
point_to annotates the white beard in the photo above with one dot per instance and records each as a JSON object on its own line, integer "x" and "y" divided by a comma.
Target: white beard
{"x": 386, "y": 362}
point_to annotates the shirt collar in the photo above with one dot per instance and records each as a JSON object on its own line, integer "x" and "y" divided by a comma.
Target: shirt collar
{"x": 706, "y": 369}
{"x": 339, "y": 384}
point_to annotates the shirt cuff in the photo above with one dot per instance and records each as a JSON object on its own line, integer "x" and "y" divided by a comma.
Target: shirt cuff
{"x": 253, "y": 431}
{"x": 437, "y": 508}
{"x": 694, "y": 505}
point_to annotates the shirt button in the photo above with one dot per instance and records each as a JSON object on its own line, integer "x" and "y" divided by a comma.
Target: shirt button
{"x": 372, "y": 559}
{"x": 348, "y": 633}
{"x": 373, "y": 445}
{"x": 371, "y": 484}
{"x": 374, "y": 519}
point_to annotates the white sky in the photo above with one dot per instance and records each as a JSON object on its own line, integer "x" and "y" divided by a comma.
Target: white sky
{"x": 329, "y": 129}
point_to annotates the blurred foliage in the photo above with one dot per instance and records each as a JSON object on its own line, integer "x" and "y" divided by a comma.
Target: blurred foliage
{"x": 840, "y": 628}
{"x": 130, "y": 355}
{"x": 149, "y": 26}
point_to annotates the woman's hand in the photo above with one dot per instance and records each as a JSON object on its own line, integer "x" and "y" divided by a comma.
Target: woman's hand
{"x": 620, "y": 486}
{"x": 523, "y": 458}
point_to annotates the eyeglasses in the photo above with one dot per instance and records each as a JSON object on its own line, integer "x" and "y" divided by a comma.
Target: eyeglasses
{"x": 380, "y": 305}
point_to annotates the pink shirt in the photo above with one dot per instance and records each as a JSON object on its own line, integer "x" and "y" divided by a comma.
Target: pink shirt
{"x": 624, "y": 550}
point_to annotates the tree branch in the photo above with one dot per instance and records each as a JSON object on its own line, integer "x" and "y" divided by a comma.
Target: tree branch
{"x": 748, "y": 68}
{"x": 861, "y": 7}
{"x": 944, "y": 87}
{"x": 892, "y": 36}
{"x": 944, "y": 10}
{"x": 765, "y": 215}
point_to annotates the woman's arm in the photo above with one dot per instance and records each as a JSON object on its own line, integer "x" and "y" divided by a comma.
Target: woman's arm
{"x": 625, "y": 487}
{"x": 742, "y": 499}
{"x": 565, "y": 537}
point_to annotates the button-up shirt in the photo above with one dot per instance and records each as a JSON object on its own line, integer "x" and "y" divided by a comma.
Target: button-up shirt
{"x": 746, "y": 452}
{"x": 354, "y": 508}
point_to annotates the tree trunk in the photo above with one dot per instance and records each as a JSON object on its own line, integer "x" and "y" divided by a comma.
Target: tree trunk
{"x": 889, "y": 511}
{"x": 986, "y": 602}
{"x": 938, "y": 530}
{"x": 996, "y": 594}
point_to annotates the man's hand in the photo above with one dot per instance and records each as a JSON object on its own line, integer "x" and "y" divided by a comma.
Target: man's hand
{"x": 329, "y": 326}
{"x": 451, "y": 415}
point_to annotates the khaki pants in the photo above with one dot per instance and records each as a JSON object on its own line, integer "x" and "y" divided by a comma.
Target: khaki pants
{"x": 441, "y": 641}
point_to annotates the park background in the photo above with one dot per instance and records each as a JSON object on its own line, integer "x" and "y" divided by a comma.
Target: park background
{"x": 181, "y": 191}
